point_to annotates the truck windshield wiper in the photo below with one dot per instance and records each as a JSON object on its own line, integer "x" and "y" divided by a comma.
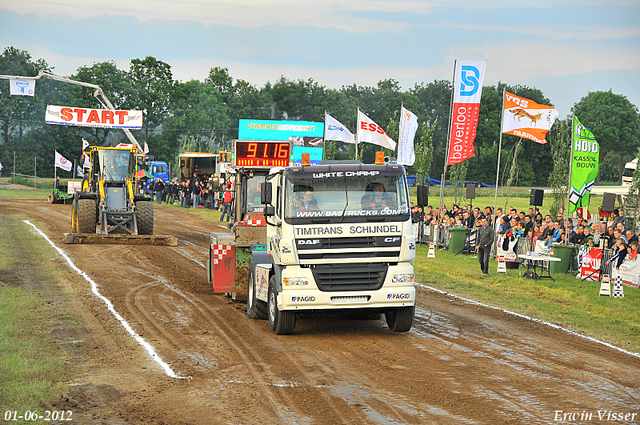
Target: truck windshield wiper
{"x": 320, "y": 220}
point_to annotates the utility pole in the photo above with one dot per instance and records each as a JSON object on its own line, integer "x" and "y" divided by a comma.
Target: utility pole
{"x": 35, "y": 170}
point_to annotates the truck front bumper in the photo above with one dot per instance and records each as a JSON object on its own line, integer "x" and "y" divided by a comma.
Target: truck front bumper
{"x": 317, "y": 300}
{"x": 309, "y": 297}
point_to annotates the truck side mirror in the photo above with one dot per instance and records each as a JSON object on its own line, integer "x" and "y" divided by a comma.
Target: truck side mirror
{"x": 265, "y": 193}
{"x": 269, "y": 211}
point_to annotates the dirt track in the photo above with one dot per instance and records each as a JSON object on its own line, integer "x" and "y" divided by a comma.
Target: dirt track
{"x": 459, "y": 364}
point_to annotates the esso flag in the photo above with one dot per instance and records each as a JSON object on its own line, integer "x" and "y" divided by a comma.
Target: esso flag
{"x": 370, "y": 132}
{"x": 467, "y": 91}
{"x": 87, "y": 117}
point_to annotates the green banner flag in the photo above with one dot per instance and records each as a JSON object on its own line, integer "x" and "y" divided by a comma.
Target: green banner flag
{"x": 585, "y": 157}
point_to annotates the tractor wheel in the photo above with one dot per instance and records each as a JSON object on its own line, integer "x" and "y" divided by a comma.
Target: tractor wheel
{"x": 256, "y": 309}
{"x": 52, "y": 198}
{"x": 400, "y": 319}
{"x": 281, "y": 322}
{"x": 86, "y": 216}
{"x": 144, "y": 217}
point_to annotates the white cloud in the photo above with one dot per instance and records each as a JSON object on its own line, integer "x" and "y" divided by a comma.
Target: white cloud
{"x": 514, "y": 60}
{"x": 241, "y": 13}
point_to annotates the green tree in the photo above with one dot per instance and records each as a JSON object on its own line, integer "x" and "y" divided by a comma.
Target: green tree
{"x": 197, "y": 111}
{"x": 152, "y": 82}
{"x": 436, "y": 98}
{"x": 560, "y": 141}
{"x": 21, "y": 116}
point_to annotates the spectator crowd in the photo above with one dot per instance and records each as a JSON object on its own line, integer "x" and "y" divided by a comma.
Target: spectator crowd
{"x": 197, "y": 192}
{"x": 538, "y": 232}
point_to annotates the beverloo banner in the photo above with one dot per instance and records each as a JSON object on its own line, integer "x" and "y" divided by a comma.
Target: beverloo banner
{"x": 585, "y": 157}
{"x": 467, "y": 92}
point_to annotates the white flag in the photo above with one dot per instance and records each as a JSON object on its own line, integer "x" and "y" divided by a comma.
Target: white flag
{"x": 79, "y": 172}
{"x": 408, "y": 127}
{"x": 84, "y": 144}
{"x": 22, "y": 86}
{"x": 370, "y": 132}
{"x": 334, "y": 130}
{"x": 62, "y": 162}
{"x": 138, "y": 148}
{"x": 87, "y": 162}
{"x": 146, "y": 148}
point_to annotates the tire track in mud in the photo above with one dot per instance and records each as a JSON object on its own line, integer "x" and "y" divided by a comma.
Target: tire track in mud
{"x": 136, "y": 300}
{"x": 497, "y": 355}
{"x": 310, "y": 382}
{"x": 252, "y": 360}
{"x": 460, "y": 363}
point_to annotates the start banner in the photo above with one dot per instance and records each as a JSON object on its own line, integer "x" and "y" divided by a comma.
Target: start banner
{"x": 87, "y": 117}
{"x": 467, "y": 91}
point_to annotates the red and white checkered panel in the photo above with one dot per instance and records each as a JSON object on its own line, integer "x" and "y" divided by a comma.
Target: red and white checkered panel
{"x": 223, "y": 267}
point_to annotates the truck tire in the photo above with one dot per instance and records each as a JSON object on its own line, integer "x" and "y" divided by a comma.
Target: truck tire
{"x": 256, "y": 309}
{"x": 400, "y": 319}
{"x": 86, "y": 216}
{"x": 281, "y": 322}
{"x": 144, "y": 217}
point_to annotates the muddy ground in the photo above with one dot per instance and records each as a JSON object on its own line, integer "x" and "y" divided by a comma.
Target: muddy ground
{"x": 460, "y": 363}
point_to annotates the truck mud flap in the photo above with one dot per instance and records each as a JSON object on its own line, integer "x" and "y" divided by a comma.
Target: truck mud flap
{"x": 223, "y": 267}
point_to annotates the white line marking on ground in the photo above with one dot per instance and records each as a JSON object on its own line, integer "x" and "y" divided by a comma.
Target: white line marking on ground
{"x": 513, "y": 313}
{"x": 179, "y": 251}
{"x": 94, "y": 288}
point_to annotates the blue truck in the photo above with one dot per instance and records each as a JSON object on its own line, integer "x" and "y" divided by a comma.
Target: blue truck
{"x": 159, "y": 170}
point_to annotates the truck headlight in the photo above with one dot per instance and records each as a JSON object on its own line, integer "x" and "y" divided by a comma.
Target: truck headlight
{"x": 295, "y": 281}
{"x": 402, "y": 278}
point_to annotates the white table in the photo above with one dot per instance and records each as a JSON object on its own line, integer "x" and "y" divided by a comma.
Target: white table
{"x": 535, "y": 261}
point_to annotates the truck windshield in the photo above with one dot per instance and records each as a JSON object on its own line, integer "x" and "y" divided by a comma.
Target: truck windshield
{"x": 254, "y": 185}
{"x": 115, "y": 164}
{"x": 347, "y": 199}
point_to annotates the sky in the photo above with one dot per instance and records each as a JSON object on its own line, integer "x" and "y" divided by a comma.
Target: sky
{"x": 566, "y": 49}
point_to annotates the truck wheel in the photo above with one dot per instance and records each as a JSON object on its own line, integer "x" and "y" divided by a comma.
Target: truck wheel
{"x": 400, "y": 319}
{"x": 282, "y": 322}
{"x": 144, "y": 217}
{"x": 256, "y": 309}
{"x": 86, "y": 216}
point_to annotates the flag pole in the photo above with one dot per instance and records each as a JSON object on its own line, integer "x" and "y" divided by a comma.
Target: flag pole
{"x": 324, "y": 134}
{"x": 495, "y": 201}
{"x": 573, "y": 135}
{"x": 55, "y": 170}
{"x": 446, "y": 152}
{"x": 357, "y": 132}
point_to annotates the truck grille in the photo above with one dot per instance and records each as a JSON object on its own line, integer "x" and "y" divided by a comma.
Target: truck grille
{"x": 358, "y": 248}
{"x": 349, "y": 277}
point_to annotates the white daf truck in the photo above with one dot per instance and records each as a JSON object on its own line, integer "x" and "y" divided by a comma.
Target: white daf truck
{"x": 339, "y": 238}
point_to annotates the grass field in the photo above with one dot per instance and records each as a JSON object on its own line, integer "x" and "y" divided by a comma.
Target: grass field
{"x": 568, "y": 301}
{"x": 32, "y": 365}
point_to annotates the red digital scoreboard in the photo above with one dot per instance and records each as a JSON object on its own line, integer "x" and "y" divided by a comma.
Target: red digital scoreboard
{"x": 262, "y": 153}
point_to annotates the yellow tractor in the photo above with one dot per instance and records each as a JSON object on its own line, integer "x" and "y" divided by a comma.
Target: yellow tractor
{"x": 109, "y": 197}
